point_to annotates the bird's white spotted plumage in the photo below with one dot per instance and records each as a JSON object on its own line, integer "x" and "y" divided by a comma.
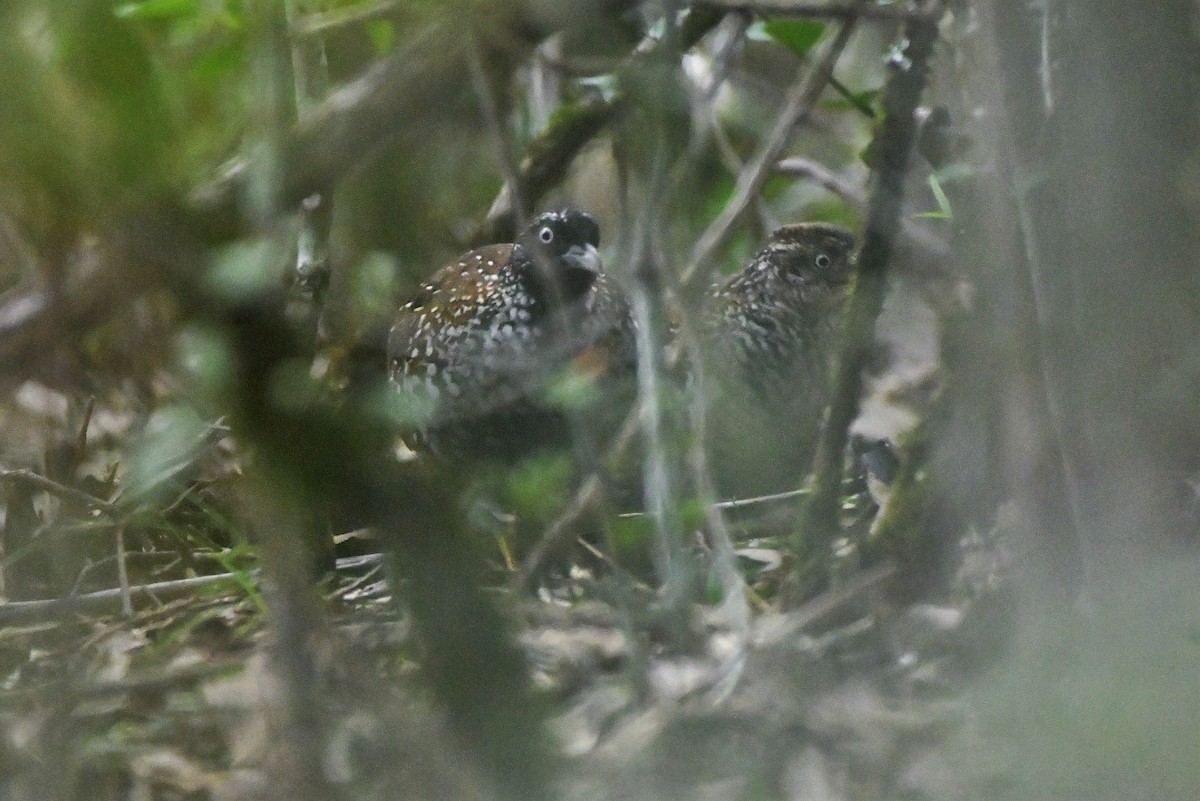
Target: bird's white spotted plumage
{"x": 486, "y": 333}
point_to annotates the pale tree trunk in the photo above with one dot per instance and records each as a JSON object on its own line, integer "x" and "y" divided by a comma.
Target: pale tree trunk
{"x": 1077, "y": 374}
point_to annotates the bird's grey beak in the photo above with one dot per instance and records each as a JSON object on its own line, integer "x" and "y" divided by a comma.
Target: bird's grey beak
{"x": 584, "y": 258}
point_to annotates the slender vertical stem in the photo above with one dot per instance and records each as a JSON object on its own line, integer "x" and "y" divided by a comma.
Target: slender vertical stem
{"x": 310, "y": 67}
{"x": 123, "y": 574}
{"x": 282, "y": 521}
{"x": 494, "y": 120}
{"x": 894, "y": 145}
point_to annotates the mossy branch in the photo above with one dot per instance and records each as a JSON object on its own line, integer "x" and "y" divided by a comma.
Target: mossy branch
{"x": 546, "y": 162}
{"x": 893, "y": 146}
{"x": 571, "y": 128}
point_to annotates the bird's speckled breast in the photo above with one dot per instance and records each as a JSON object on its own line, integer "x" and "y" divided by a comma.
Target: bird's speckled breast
{"x": 472, "y": 338}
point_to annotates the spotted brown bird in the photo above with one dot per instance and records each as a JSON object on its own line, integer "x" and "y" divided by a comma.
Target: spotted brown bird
{"x": 486, "y": 338}
{"x": 769, "y": 335}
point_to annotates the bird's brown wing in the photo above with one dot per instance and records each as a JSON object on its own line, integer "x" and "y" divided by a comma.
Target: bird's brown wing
{"x": 450, "y": 298}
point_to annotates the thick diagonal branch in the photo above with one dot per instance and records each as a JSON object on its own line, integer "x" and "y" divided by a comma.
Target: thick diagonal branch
{"x": 894, "y": 145}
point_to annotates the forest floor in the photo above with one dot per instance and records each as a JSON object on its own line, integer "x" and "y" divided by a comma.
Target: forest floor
{"x": 158, "y": 678}
{"x": 844, "y": 698}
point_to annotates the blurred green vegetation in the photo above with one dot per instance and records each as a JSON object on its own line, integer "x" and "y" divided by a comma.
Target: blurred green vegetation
{"x": 154, "y": 156}
{"x": 120, "y": 111}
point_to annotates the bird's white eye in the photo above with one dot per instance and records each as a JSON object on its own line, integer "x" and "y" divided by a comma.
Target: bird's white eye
{"x": 546, "y": 235}
{"x": 823, "y": 261}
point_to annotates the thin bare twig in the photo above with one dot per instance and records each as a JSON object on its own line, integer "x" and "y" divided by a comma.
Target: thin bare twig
{"x": 659, "y": 477}
{"x": 375, "y": 572}
{"x": 913, "y": 234}
{"x": 310, "y": 67}
{"x": 81, "y": 438}
{"x": 734, "y": 606}
{"x": 727, "y": 43}
{"x": 786, "y": 627}
{"x": 653, "y": 276}
{"x": 558, "y": 532}
{"x": 572, "y": 127}
{"x": 545, "y": 162}
{"x": 745, "y": 503}
{"x": 38, "y": 481}
{"x": 512, "y": 188}
{"x": 123, "y": 574}
{"x": 799, "y": 103}
{"x": 738, "y": 503}
{"x": 316, "y": 24}
{"x": 169, "y": 679}
{"x": 103, "y": 601}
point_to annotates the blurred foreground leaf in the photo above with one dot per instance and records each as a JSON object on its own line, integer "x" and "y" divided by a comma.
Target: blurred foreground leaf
{"x": 797, "y": 35}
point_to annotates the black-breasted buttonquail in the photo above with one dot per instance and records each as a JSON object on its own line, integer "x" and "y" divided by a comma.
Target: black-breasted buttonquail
{"x": 769, "y": 335}
{"x": 487, "y": 337}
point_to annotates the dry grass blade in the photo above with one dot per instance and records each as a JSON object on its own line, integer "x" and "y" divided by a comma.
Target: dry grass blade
{"x": 153, "y": 594}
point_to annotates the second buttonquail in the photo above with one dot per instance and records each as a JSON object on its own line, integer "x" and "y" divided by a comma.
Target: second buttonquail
{"x": 769, "y": 336}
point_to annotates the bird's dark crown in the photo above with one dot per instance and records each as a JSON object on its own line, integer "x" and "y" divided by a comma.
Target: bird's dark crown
{"x": 554, "y": 232}
{"x": 561, "y": 249}
{"x": 817, "y": 251}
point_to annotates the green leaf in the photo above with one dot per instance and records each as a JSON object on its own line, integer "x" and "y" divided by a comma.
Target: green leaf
{"x": 832, "y": 211}
{"x": 167, "y": 448}
{"x": 631, "y": 539}
{"x": 246, "y": 269}
{"x": 944, "y": 211}
{"x": 204, "y": 356}
{"x": 156, "y": 9}
{"x": 797, "y": 35}
{"x": 371, "y": 282}
{"x": 573, "y": 388}
{"x": 218, "y": 63}
{"x": 863, "y": 102}
{"x": 382, "y": 34}
{"x": 693, "y": 513}
{"x": 538, "y": 487}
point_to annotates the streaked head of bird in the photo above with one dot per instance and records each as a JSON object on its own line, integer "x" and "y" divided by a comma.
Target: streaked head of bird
{"x": 814, "y": 260}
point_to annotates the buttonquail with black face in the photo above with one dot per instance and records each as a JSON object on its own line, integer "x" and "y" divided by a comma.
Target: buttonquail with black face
{"x": 486, "y": 336}
{"x": 769, "y": 336}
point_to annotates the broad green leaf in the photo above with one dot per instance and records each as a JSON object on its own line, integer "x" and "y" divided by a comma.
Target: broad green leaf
{"x": 218, "y": 63}
{"x": 167, "y": 447}
{"x": 382, "y": 34}
{"x": 631, "y": 538}
{"x": 797, "y": 35}
{"x": 246, "y": 269}
{"x": 538, "y": 487}
{"x": 204, "y": 356}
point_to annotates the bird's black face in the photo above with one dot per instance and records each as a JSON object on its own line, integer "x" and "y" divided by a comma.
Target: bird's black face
{"x": 813, "y": 254}
{"x": 563, "y": 245}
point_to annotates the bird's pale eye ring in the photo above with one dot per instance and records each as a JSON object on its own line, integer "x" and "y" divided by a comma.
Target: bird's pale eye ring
{"x": 823, "y": 261}
{"x": 546, "y": 235}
